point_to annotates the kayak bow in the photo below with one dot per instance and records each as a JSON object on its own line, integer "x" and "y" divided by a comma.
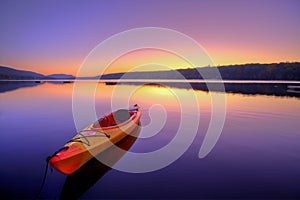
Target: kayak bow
{"x": 94, "y": 139}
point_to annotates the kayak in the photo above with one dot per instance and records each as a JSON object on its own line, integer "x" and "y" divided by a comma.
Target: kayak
{"x": 94, "y": 139}
{"x": 87, "y": 175}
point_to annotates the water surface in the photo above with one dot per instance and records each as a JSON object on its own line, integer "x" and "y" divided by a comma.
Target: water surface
{"x": 256, "y": 156}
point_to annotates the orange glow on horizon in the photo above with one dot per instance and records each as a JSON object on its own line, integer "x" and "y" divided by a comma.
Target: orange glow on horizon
{"x": 146, "y": 60}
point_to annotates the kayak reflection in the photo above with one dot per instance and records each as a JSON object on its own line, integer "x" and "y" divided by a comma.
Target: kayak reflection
{"x": 85, "y": 177}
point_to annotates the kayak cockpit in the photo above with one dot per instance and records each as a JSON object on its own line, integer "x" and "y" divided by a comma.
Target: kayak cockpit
{"x": 115, "y": 118}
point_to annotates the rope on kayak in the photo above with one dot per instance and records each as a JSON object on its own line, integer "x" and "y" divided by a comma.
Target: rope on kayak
{"x": 78, "y": 139}
{"x": 46, "y": 170}
{"x": 106, "y": 134}
{"x": 43, "y": 182}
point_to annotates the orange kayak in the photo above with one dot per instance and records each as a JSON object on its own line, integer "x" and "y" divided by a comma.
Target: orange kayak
{"x": 95, "y": 139}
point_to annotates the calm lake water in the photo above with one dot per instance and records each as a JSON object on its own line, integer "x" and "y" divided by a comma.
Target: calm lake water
{"x": 256, "y": 156}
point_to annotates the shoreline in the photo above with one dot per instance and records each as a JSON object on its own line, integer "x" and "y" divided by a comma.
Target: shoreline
{"x": 157, "y": 81}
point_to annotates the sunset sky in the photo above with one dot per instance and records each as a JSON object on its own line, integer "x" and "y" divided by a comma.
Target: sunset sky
{"x": 56, "y": 36}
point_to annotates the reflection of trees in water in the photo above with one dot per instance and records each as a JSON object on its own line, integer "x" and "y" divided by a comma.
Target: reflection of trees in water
{"x": 252, "y": 89}
{"x": 275, "y": 89}
{"x": 6, "y": 86}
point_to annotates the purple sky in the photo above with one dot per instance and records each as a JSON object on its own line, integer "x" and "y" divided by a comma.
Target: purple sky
{"x": 56, "y": 36}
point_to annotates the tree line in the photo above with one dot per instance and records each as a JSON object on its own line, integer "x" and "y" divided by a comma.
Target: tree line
{"x": 275, "y": 71}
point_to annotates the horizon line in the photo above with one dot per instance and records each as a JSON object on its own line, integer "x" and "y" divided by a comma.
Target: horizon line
{"x": 219, "y": 65}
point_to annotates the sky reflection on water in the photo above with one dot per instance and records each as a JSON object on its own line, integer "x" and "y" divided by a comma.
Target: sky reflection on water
{"x": 257, "y": 155}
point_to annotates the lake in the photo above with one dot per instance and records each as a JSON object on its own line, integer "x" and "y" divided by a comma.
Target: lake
{"x": 257, "y": 154}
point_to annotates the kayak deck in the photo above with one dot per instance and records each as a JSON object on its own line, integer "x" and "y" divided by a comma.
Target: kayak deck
{"x": 94, "y": 139}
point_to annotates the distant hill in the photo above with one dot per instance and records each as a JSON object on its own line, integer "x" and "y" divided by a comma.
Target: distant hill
{"x": 8, "y": 73}
{"x": 275, "y": 71}
{"x": 61, "y": 76}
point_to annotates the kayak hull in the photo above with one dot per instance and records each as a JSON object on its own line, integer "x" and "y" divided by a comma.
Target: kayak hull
{"x": 90, "y": 142}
